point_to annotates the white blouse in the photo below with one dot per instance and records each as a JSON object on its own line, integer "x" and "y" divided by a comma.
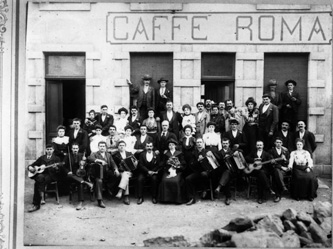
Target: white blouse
{"x": 300, "y": 157}
{"x": 130, "y": 142}
{"x": 212, "y": 139}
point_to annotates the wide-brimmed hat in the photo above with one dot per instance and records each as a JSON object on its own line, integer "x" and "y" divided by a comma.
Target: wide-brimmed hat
{"x": 171, "y": 140}
{"x": 290, "y": 81}
{"x": 250, "y": 100}
{"x": 272, "y": 82}
{"x": 266, "y": 95}
{"x": 233, "y": 121}
{"x": 146, "y": 77}
{"x": 162, "y": 79}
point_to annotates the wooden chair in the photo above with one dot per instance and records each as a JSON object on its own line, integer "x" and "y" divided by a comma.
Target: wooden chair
{"x": 52, "y": 188}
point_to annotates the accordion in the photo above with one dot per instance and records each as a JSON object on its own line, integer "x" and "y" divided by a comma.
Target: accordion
{"x": 208, "y": 164}
{"x": 235, "y": 161}
{"x": 129, "y": 163}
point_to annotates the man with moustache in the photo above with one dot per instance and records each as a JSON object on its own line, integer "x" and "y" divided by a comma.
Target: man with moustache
{"x": 78, "y": 135}
{"x": 105, "y": 120}
{"x": 308, "y": 137}
{"x": 288, "y": 137}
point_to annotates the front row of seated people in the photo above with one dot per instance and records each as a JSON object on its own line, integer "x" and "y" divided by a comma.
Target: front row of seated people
{"x": 176, "y": 174}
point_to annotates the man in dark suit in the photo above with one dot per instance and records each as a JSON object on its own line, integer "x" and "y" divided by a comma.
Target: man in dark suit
{"x": 110, "y": 170}
{"x": 141, "y": 141}
{"x": 290, "y": 101}
{"x": 162, "y": 138}
{"x": 148, "y": 167}
{"x": 174, "y": 118}
{"x": 279, "y": 168}
{"x": 134, "y": 120}
{"x": 78, "y": 135}
{"x": 268, "y": 120}
{"x": 288, "y": 137}
{"x": 162, "y": 95}
{"x": 236, "y": 138}
{"x": 72, "y": 164}
{"x": 47, "y": 176}
{"x": 145, "y": 95}
{"x": 105, "y": 120}
{"x": 308, "y": 137}
{"x": 262, "y": 174}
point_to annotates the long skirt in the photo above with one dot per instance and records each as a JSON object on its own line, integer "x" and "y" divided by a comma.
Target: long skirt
{"x": 172, "y": 189}
{"x": 303, "y": 184}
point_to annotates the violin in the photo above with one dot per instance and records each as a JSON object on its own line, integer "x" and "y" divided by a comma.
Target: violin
{"x": 81, "y": 172}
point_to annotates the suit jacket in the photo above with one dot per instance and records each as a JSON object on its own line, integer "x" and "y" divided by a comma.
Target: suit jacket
{"x": 288, "y": 141}
{"x": 72, "y": 163}
{"x": 175, "y": 124}
{"x": 269, "y": 119}
{"x": 81, "y": 139}
{"x": 286, "y": 99}
{"x": 239, "y": 139}
{"x": 108, "y": 121}
{"x": 275, "y": 154}
{"x": 201, "y": 123}
{"x": 138, "y": 145}
{"x": 161, "y": 142}
{"x": 135, "y": 89}
{"x": 160, "y": 102}
{"x": 118, "y": 159}
{"x": 265, "y": 156}
{"x": 144, "y": 166}
{"x": 111, "y": 165}
{"x": 310, "y": 141}
{"x": 42, "y": 160}
{"x": 195, "y": 165}
{"x": 185, "y": 147}
{"x": 135, "y": 124}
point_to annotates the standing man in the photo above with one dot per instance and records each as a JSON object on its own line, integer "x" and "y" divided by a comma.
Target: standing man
{"x": 162, "y": 96}
{"x": 47, "y": 176}
{"x": 141, "y": 141}
{"x": 290, "y": 101}
{"x": 275, "y": 97}
{"x": 236, "y": 138}
{"x": 105, "y": 120}
{"x": 268, "y": 120}
{"x": 201, "y": 120}
{"x": 174, "y": 118}
{"x": 288, "y": 137}
{"x": 148, "y": 167}
{"x": 308, "y": 137}
{"x": 146, "y": 96}
{"x": 134, "y": 120}
{"x": 106, "y": 175}
{"x": 218, "y": 119}
{"x": 222, "y": 110}
{"x": 78, "y": 135}
{"x": 162, "y": 139}
{"x": 111, "y": 140}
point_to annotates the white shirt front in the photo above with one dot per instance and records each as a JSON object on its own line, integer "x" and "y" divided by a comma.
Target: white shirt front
{"x": 278, "y": 151}
{"x": 75, "y": 133}
{"x": 234, "y": 133}
{"x": 143, "y": 138}
{"x": 145, "y": 89}
{"x": 162, "y": 90}
{"x": 169, "y": 115}
{"x": 301, "y": 134}
{"x": 103, "y": 117}
{"x": 149, "y": 156}
{"x": 285, "y": 133}
{"x": 123, "y": 154}
{"x": 259, "y": 153}
{"x": 264, "y": 108}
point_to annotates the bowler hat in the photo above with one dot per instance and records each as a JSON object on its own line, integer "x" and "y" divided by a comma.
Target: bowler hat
{"x": 290, "y": 81}
{"x": 146, "y": 77}
{"x": 171, "y": 140}
{"x": 272, "y": 82}
{"x": 266, "y": 95}
{"x": 162, "y": 79}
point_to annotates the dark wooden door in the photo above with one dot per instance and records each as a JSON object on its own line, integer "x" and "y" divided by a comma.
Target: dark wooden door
{"x": 219, "y": 90}
{"x": 157, "y": 65}
{"x": 285, "y": 66}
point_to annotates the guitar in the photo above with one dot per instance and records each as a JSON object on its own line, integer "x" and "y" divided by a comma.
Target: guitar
{"x": 40, "y": 169}
{"x": 258, "y": 165}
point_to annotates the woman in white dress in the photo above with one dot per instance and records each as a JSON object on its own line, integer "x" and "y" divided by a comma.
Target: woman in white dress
{"x": 122, "y": 121}
{"x": 129, "y": 139}
{"x": 212, "y": 139}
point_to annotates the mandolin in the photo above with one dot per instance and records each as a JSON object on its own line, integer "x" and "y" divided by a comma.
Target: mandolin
{"x": 40, "y": 169}
{"x": 258, "y": 165}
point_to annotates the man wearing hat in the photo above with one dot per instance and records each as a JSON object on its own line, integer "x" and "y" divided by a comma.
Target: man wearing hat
{"x": 162, "y": 95}
{"x": 236, "y": 138}
{"x": 268, "y": 120}
{"x": 275, "y": 97}
{"x": 290, "y": 101}
{"x": 288, "y": 137}
{"x": 146, "y": 95}
{"x": 105, "y": 120}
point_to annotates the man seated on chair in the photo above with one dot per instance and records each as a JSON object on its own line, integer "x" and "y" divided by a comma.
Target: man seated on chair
{"x": 103, "y": 170}
{"x": 75, "y": 171}
{"x": 280, "y": 167}
{"x": 260, "y": 173}
{"x": 199, "y": 175}
{"x": 46, "y": 176}
{"x": 122, "y": 172}
{"x": 148, "y": 167}
{"x": 227, "y": 171}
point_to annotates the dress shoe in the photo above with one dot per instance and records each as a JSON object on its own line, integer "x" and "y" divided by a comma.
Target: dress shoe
{"x": 190, "y": 202}
{"x": 101, "y": 204}
{"x": 42, "y": 202}
{"x": 119, "y": 194}
{"x": 277, "y": 199}
{"x": 217, "y": 190}
{"x": 204, "y": 195}
{"x": 126, "y": 200}
{"x": 154, "y": 200}
{"x": 140, "y": 200}
{"x": 310, "y": 199}
{"x": 79, "y": 206}
{"x": 227, "y": 201}
{"x": 33, "y": 208}
{"x": 260, "y": 201}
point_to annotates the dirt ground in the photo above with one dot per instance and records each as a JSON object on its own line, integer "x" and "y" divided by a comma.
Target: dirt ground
{"x": 122, "y": 225}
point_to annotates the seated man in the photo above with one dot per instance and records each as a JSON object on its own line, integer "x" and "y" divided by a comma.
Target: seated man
{"x": 261, "y": 173}
{"x": 73, "y": 162}
{"x": 280, "y": 167}
{"x": 148, "y": 167}
{"x": 122, "y": 171}
{"x": 103, "y": 169}
{"x": 199, "y": 175}
{"x": 227, "y": 169}
{"x": 44, "y": 171}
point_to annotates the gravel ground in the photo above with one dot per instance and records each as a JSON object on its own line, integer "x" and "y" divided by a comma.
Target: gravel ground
{"x": 122, "y": 225}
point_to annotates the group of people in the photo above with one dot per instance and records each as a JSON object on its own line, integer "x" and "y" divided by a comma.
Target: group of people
{"x": 182, "y": 152}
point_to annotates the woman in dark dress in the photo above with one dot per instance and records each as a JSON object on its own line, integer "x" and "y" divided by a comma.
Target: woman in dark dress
{"x": 250, "y": 128}
{"x": 304, "y": 183}
{"x": 60, "y": 143}
{"x": 187, "y": 144}
{"x": 172, "y": 187}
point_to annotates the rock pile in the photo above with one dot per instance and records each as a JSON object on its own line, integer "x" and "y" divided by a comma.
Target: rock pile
{"x": 290, "y": 229}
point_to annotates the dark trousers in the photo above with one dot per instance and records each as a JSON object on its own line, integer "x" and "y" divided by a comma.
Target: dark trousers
{"x": 73, "y": 179}
{"x": 225, "y": 182}
{"x": 263, "y": 136}
{"x": 41, "y": 180}
{"x": 277, "y": 180}
{"x": 193, "y": 181}
{"x": 262, "y": 181}
{"x": 143, "y": 111}
{"x": 141, "y": 179}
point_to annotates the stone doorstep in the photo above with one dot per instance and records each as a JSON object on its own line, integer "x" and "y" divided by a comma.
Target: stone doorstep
{"x": 322, "y": 184}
